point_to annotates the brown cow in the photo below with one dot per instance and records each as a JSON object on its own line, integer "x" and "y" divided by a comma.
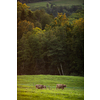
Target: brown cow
{"x": 40, "y": 86}
{"x": 60, "y": 86}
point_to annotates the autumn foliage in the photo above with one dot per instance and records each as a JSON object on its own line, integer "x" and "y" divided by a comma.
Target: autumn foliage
{"x": 44, "y": 43}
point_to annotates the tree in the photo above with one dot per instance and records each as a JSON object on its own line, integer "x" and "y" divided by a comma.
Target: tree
{"x": 38, "y": 24}
{"x": 22, "y": 10}
{"x": 76, "y": 46}
{"x": 47, "y": 5}
{"x": 35, "y": 43}
{"x": 23, "y": 15}
{"x": 46, "y": 44}
{"x": 23, "y": 27}
{"x": 45, "y": 19}
{"x": 78, "y": 31}
{"x": 23, "y": 56}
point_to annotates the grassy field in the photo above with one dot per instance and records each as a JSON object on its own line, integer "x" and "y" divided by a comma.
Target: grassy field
{"x": 37, "y": 4}
{"x": 56, "y": 2}
{"x": 26, "y": 87}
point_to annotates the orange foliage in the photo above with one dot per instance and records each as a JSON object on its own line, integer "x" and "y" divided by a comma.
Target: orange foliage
{"x": 62, "y": 18}
{"x": 24, "y": 27}
{"x": 79, "y": 23}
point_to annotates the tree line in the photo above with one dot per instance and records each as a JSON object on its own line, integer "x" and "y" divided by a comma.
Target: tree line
{"x": 31, "y": 1}
{"x": 53, "y": 9}
{"x": 48, "y": 44}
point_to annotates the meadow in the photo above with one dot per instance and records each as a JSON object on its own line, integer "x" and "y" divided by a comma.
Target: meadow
{"x": 26, "y": 87}
{"x": 68, "y": 3}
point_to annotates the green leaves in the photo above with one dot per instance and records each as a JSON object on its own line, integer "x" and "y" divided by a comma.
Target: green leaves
{"x": 42, "y": 49}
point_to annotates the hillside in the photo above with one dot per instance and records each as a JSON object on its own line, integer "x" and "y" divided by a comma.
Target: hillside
{"x": 55, "y": 6}
{"x": 56, "y": 3}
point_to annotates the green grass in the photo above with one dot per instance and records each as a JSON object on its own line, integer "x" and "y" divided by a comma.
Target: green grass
{"x": 56, "y": 2}
{"x": 67, "y": 2}
{"x": 37, "y": 4}
{"x": 26, "y": 87}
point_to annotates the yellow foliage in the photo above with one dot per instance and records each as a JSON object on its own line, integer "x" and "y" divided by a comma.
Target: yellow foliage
{"x": 25, "y": 23}
{"x": 21, "y": 6}
{"x": 79, "y": 22}
{"x": 64, "y": 16}
{"x": 62, "y": 19}
{"x": 59, "y": 15}
{"x": 55, "y": 18}
{"x": 47, "y": 26}
{"x": 24, "y": 26}
{"x": 44, "y": 30}
{"x": 37, "y": 30}
{"x": 62, "y": 24}
{"x": 19, "y": 3}
{"x": 56, "y": 22}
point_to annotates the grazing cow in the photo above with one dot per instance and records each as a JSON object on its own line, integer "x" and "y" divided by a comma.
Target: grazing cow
{"x": 60, "y": 86}
{"x": 40, "y": 86}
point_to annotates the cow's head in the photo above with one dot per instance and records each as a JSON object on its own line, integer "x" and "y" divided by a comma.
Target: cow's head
{"x": 64, "y": 85}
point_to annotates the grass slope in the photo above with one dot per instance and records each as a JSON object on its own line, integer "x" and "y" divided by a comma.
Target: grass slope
{"x": 26, "y": 87}
{"x": 56, "y": 2}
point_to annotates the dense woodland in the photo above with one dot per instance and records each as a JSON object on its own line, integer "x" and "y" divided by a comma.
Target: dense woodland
{"x": 47, "y": 44}
{"x": 52, "y": 8}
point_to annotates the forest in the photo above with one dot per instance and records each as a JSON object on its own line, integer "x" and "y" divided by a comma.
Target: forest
{"x": 50, "y": 42}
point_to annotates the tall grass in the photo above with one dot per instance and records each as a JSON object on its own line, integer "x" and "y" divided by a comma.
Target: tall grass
{"x": 26, "y": 87}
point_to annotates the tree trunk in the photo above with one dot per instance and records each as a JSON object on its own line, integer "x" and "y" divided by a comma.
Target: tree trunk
{"x": 62, "y": 69}
{"x": 58, "y": 70}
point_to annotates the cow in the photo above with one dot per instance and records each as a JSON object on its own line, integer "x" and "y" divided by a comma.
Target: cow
{"x": 40, "y": 86}
{"x": 60, "y": 86}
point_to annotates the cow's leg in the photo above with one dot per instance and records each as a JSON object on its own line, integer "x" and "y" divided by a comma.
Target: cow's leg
{"x": 56, "y": 88}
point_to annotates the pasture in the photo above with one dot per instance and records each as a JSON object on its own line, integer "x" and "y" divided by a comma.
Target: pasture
{"x": 68, "y": 3}
{"x": 26, "y": 87}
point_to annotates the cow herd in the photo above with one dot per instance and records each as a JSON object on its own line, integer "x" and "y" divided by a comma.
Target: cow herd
{"x": 59, "y": 86}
